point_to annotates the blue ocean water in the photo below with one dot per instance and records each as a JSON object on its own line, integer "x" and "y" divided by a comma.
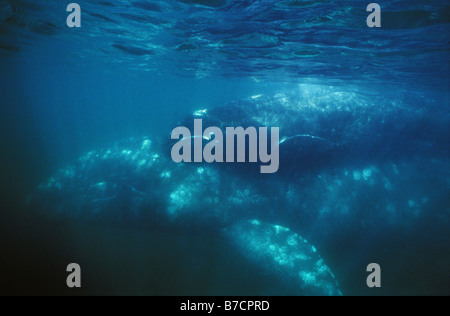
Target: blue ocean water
{"x": 138, "y": 69}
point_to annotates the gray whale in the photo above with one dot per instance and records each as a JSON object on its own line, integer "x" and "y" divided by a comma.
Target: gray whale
{"x": 327, "y": 152}
{"x": 131, "y": 184}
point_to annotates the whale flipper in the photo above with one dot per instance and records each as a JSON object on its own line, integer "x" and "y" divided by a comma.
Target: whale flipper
{"x": 280, "y": 251}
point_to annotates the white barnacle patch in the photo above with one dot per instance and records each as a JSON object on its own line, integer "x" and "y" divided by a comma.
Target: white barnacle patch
{"x": 292, "y": 240}
{"x": 179, "y": 199}
{"x": 166, "y": 175}
{"x": 200, "y": 113}
{"x": 126, "y": 153}
{"x": 282, "y": 260}
{"x": 142, "y": 163}
{"x": 106, "y": 155}
{"x": 88, "y": 157}
{"x": 367, "y": 173}
{"x": 301, "y": 256}
{"x": 321, "y": 268}
{"x": 69, "y": 172}
{"x": 256, "y": 222}
{"x": 280, "y": 229}
{"x": 135, "y": 156}
{"x": 308, "y": 278}
{"x": 146, "y": 145}
{"x": 155, "y": 157}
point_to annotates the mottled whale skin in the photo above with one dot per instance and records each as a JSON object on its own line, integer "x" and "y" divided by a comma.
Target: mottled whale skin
{"x": 135, "y": 183}
{"x": 323, "y": 127}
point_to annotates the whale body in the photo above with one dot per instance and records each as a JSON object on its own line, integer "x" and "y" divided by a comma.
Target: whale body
{"x": 132, "y": 184}
{"x": 328, "y": 166}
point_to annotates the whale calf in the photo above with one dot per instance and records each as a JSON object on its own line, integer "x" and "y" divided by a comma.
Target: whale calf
{"x": 134, "y": 185}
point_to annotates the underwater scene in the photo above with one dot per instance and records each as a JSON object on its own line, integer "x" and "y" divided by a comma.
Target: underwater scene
{"x": 225, "y": 147}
